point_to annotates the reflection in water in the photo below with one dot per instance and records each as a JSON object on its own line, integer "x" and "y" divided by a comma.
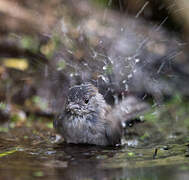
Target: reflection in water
{"x": 84, "y": 163}
{"x": 30, "y": 160}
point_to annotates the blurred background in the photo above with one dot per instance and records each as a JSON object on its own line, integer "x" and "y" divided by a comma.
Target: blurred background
{"x": 123, "y": 47}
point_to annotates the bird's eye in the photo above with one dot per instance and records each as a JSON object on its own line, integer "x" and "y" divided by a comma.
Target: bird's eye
{"x": 86, "y": 100}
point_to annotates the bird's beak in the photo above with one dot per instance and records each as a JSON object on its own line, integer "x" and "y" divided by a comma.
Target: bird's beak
{"x": 72, "y": 107}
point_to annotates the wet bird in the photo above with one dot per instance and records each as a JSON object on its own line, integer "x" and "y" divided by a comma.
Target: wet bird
{"x": 88, "y": 119}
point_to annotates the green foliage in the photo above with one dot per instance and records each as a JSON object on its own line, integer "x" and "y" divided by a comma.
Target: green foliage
{"x": 131, "y": 154}
{"x": 176, "y": 107}
{"x": 15, "y": 118}
{"x": 51, "y": 46}
{"x": 30, "y": 43}
{"x": 3, "y": 106}
{"x": 61, "y": 65}
{"x": 41, "y": 103}
{"x": 8, "y": 152}
{"x": 103, "y": 3}
{"x": 145, "y": 136}
{"x": 152, "y": 115}
{"x": 4, "y": 129}
{"x": 38, "y": 174}
{"x": 49, "y": 125}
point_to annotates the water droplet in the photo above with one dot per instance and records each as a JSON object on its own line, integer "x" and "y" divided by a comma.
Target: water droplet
{"x": 104, "y": 68}
{"x": 137, "y": 60}
{"x": 130, "y": 76}
{"x": 100, "y": 41}
{"x": 129, "y": 58}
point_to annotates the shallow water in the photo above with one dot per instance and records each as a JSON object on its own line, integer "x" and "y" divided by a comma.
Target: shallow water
{"x": 35, "y": 155}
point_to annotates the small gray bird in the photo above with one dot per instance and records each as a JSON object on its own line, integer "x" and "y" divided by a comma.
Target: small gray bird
{"x": 88, "y": 119}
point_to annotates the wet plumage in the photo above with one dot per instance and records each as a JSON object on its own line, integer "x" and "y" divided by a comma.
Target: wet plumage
{"x": 88, "y": 119}
{"x": 84, "y": 119}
